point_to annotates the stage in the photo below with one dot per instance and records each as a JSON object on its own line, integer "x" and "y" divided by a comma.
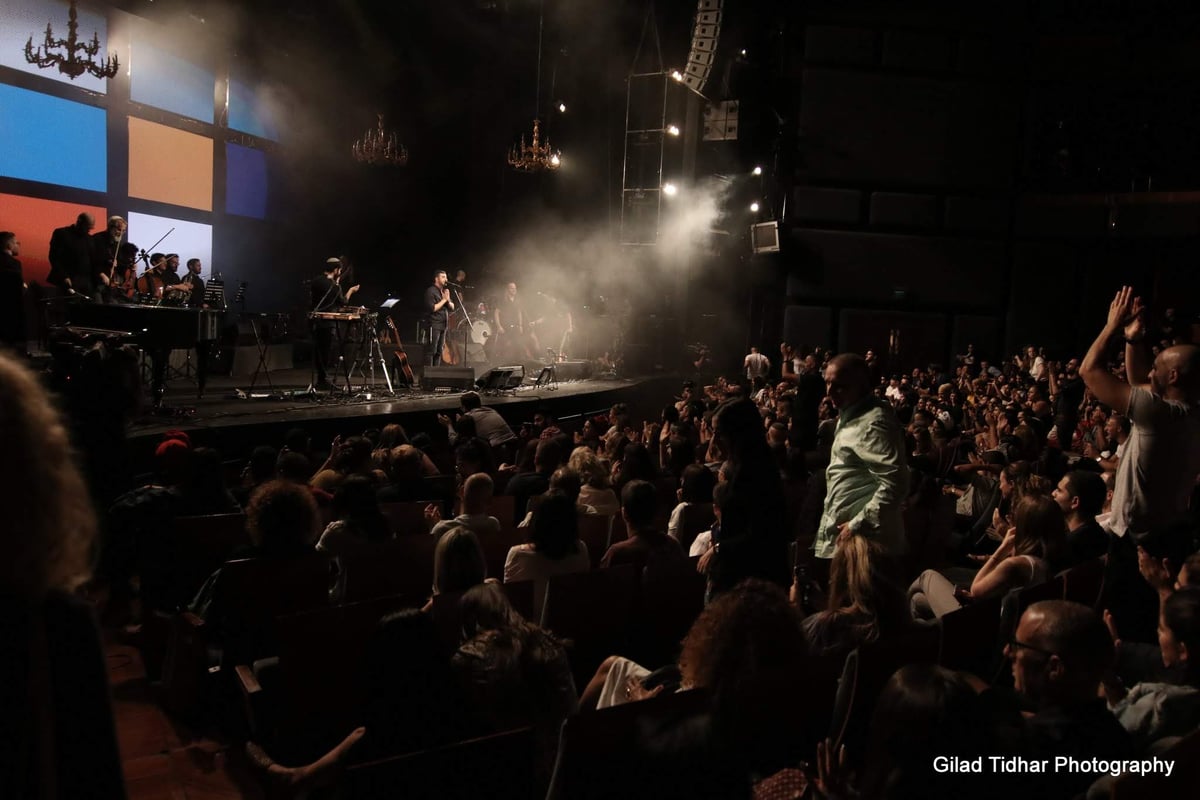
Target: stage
{"x": 234, "y": 418}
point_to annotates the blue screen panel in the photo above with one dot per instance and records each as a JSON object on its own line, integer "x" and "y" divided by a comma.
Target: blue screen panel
{"x": 49, "y": 140}
{"x": 164, "y": 80}
{"x": 245, "y": 181}
{"x": 250, "y": 112}
{"x": 21, "y": 19}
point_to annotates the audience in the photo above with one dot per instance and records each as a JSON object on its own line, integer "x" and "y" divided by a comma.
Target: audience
{"x": 56, "y": 728}
{"x": 1029, "y": 455}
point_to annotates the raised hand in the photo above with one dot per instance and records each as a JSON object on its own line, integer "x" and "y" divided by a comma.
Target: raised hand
{"x": 1121, "y": 308}
{"x": 1136, "y": 326}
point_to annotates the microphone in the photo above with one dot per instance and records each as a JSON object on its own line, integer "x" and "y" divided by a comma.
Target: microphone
{"x": 458, "y": 285}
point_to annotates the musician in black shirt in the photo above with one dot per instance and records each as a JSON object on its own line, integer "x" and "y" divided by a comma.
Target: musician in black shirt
{"x": 326, "y": 295}
{"x": 196, "y": 298}
{"x": 438, "y": 306}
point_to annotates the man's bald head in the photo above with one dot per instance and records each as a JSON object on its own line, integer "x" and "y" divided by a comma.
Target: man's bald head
{"x": 1179, "y": 366}
{"x": 847, "y": 379}
{"x": 1074, "y": 647}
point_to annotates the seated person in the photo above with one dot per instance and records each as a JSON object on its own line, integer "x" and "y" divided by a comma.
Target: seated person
{"x": 646, "y": 545}
{"x": 596, "y": 490}
{"x": 1080, "y": 494}
{"x": 696, "y": 483}
{"x": 356, "y": 530}
{"x": 476, "y": 494}
{"x": 1023, "y": 558}
{"x": 1152, "y": 711}
{"x": 554, "y": 547}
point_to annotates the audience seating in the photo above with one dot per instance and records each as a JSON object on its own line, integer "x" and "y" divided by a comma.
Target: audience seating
{"x": 174, "y": 566}
{"x": 315, "y": 692}
{"x": 971, "y": 637}
{"x": 407, "y": 518}
{"x": 1012, "y": 606}
{"x": 500, "y": 766}
{"x": 593, "y": 611}
{"x": 595, "y": 531}
{"x": 867, "y": 670}
{"x": 665, "y": 610}
{"x": 503, "y": 507}
{"x": 1185, "y": 777}
{"x": 495, "y": 549}
{"x": 1084, "y": 583}
{"x": 402, "y": 566}
{"x": 253, "y": 592}
{"x": 597, "y": 750}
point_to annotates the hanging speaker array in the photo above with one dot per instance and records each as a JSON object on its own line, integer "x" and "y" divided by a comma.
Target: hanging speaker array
{"x": 705, "y": 33}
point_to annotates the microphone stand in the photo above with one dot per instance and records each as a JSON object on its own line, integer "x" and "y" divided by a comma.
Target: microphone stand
{"x": 468, "y": 334}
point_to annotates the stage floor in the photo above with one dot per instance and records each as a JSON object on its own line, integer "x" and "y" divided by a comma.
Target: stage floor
{"x": 229, "y": 404}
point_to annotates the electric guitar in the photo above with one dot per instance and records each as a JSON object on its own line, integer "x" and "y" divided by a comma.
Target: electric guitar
{"x": 400, "y": 354}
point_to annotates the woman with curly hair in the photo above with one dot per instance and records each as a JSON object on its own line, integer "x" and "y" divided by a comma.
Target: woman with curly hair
{"x": 596, "y": 490}
{"x": 56, "y": 730}
{"x": 748, "y": 650}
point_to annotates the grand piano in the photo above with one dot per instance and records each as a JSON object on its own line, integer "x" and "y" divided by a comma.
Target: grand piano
{"x": 157, "y": 330}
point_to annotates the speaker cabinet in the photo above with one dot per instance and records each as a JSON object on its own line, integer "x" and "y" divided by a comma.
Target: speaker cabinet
{"x": 459, "y": 378}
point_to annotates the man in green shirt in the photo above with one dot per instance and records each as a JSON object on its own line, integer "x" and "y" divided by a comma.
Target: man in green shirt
{"x": 867, "y": 478}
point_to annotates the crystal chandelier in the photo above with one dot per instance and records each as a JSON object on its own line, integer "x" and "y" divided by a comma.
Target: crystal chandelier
{"x": 71, "y": 62}
{"x": 535, "y": 156}
{"x": 380, "y": 147}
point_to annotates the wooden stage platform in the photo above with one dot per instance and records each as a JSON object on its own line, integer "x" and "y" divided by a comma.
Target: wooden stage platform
{"x": 233, "y": 417}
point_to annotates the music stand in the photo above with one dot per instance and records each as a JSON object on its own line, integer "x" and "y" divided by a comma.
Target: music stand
{"x": 263, "y": 349}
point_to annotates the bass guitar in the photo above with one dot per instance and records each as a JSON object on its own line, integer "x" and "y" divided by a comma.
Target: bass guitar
{"x": 401, "y": 355}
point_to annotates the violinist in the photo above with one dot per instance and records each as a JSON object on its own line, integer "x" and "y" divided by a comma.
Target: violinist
{"x": 151, "y": 283}
{"x": 122, "y": 282}
{"x": 105, "y": 247}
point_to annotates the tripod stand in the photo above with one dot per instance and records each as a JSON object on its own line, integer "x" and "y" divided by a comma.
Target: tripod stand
{"x": 375, "y": 354}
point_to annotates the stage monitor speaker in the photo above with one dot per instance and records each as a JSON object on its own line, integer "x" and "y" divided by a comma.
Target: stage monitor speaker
{"x": 573, "y": 370}
{"x": 501, "y": 378}
{"x": 459, "y": 378}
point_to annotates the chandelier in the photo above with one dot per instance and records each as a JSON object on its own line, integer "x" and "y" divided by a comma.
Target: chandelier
{"x": 380, "y": 146}
{"x": 535, "y": 156}
{"x": 71, "y": 62}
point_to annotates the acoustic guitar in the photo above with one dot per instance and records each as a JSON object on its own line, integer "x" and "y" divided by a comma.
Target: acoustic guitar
{"x": 400, "y": 354}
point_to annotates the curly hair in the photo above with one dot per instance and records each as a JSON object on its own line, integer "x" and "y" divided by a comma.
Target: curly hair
{"x": 738, "y": 635}
{"x": 748, "y": 649}
{"x": 585, "y": 461}
{"x": 281, "y": 517}
{"x": 50, "y": 525}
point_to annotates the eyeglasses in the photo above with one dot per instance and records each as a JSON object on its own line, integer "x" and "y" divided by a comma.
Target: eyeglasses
{"x": 1013, "y": 644}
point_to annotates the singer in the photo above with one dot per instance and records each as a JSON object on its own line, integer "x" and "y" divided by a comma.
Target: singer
{"x": 438, "y": 306}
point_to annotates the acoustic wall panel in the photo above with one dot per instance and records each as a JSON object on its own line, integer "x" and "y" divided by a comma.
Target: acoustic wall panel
{"x": 51, "y": 140}
{"x": 165, "y": 80}
{"x": 245, "y": 181}
{"x": 170, "y": 166}
{"x": 21, "y": 19}
{"x": 250, "y": 111}
{"x": 34, "y": 220}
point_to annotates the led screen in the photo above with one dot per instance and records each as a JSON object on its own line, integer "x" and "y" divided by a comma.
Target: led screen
{"x": 250, "y": 112}
{"x": 188, "y": 239}
{"x": 245, "y": 181}
{"x": 33, "y": 221}
{"x": 164, "y": 80}
{"x": 22, "y": 19}
{"x": 170, "y": 165}
{"x": 50, "y": 140}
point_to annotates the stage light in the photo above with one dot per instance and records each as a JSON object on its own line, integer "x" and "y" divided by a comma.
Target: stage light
{"x": 754, "y": 207}
{"x": 670, "y": 190}
{"x": 562, "y": 108}
{"x": 743, "y": 53}
{"x": 673, "y": 130}
{"x": 555, "y": 160}
{"x": 757, "y": 171}
{"x": 677, "y": 75}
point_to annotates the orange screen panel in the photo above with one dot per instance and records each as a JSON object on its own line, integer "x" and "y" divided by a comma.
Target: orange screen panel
{"x": 34, "y": 221}
{"x": 170, "y": 166}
